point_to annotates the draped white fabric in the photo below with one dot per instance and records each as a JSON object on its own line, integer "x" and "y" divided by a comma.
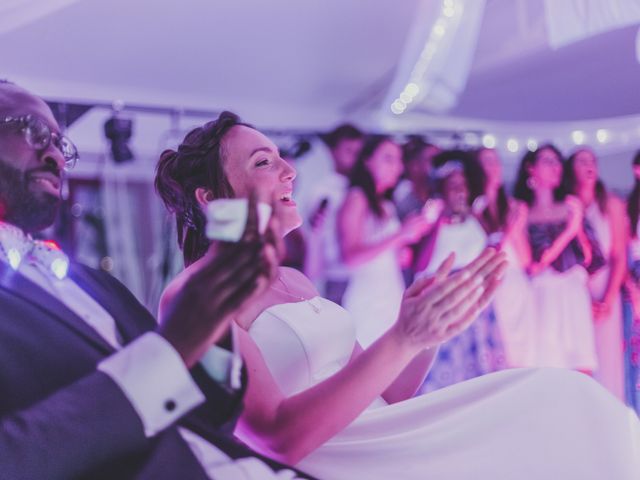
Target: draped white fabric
{"x": 17, "y": 13}
{"x": 570, "y": 21}
{"x": 441, "y": 44}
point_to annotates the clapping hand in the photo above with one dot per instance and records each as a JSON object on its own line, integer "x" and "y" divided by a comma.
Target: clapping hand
{"x": 218, "y": 286}
{"x": 437, "y": 308}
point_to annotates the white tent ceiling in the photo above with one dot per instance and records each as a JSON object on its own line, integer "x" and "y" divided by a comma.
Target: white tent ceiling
{"x": 296, "y": 63}
{"x": 311, "y": 64}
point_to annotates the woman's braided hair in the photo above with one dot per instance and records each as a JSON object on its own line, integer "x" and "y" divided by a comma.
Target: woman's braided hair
{"x": 198, "y": 163}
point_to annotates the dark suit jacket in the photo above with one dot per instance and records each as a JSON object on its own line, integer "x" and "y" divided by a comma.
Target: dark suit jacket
{"x": 60, "y": 418}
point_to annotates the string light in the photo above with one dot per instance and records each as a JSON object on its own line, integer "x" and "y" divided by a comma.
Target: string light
{"x": 489, "y": 141}
{"x": 448, "y": 11}
{"x": 532, "y": 144}
{"x": 578, "y": 137}
{"x": 513, "y": 145}
{"x": 602, "y": 135}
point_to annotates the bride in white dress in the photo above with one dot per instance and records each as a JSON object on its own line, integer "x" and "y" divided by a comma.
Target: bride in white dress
{"x": 317, "y": 400}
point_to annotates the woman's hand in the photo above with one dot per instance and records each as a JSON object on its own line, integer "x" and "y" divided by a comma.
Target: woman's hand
{"x": 437, "y": 308}
{"x": 600, "y": 310}
{"x": 413, "y": 229}
{"x": 576, "y": 213}
{"x": 218, "y": 287}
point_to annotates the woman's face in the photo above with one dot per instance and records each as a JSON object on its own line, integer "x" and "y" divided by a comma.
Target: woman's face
{"x": 585, "y": 168}
{"x": 636, "y": 171}
{"x": 253, "y": 162}
{"x": 546, "y": 172}
{"x": 385, "y": 165}
{"x": 492, "y": 167}
{"x": 455, "y": 193}
{"x": 420, "y": 167}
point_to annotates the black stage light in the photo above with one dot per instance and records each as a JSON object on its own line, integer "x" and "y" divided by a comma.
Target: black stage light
{"x": 118, "y": 130}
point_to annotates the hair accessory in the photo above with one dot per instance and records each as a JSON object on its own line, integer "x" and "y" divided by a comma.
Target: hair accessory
{"x": 447, "y": 169}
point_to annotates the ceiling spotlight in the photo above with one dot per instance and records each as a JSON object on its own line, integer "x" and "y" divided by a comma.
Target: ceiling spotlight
{"x": 119, "y": 130}
{"x": 513, "y": 145}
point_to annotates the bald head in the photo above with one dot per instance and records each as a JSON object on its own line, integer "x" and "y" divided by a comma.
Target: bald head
{"x": 30, "y": 178}
{"x": 15, "y": 100}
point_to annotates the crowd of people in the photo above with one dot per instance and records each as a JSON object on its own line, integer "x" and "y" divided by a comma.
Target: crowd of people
{"x": 393, "y": 212}
{"x": 93, "y": 386}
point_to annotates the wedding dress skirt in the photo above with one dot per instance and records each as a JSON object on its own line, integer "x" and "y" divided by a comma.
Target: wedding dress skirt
{"x": 525, "y": 424}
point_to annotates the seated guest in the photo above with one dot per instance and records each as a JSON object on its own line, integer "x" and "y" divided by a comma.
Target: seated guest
{"x": 91, "y": 386}
{"x": 317, "y": 399}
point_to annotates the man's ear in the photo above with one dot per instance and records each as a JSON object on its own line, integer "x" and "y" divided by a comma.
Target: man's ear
{"x": 204, "y": 196}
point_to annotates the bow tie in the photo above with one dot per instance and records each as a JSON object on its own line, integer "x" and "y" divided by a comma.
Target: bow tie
{"x": 17, "y": 247}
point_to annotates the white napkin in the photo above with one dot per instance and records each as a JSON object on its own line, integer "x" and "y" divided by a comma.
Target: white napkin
{"x": 227, "y": 218}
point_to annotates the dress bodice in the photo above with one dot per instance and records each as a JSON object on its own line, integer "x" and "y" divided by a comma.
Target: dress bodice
{"x": 302, "y": 347}
{"x": 376, "y": 230}
{"x": 466, "y": 239}
{"x": 542, "y": 236}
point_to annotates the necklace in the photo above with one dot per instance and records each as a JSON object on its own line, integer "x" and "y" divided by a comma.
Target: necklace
{"x": 315, "y": 308}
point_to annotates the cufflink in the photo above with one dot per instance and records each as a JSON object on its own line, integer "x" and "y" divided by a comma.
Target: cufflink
{"x": 170, "y": 405}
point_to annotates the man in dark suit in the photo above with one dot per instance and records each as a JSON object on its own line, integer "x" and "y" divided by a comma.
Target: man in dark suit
{"x": 90, "y": 386}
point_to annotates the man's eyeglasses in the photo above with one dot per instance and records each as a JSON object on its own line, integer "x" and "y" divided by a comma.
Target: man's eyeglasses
{"x": 39, "y": 136}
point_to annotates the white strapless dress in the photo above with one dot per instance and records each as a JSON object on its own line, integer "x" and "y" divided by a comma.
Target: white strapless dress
{"x": 525, "y": 424}
{"x": 375, "y": 288}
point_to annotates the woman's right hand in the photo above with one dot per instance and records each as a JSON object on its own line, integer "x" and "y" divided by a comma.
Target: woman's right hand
{"x": 437, "y": 308}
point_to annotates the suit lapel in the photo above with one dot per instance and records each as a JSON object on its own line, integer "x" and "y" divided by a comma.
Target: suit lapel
{"x": 28, "y": 291}
{"x": 130, "y": 319}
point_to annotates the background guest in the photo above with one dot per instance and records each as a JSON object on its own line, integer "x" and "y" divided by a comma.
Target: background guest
{"x": 477, "y": 350}
{"x": 605, "y": 214}
{"x": 320, "y": 195}
{"x": 371, "y": 236}
{"x": 504, "y": 220}
{"x": 414, "y": 190}
{"x": 632, "y": 311}
{"x": 560, "y": 253}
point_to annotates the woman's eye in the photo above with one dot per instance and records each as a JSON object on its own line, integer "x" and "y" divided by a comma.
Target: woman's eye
{"x": 262, "y": 163}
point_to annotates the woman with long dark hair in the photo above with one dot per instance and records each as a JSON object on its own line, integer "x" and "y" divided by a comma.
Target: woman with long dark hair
{"x": 315, "y": 398}
{"x": 371, "y": 238}
{"x": 632, "y": 315}
{"x": 560, "y": 254}
{"x": 605, "y": 215}
{"x": 504, "y": 219}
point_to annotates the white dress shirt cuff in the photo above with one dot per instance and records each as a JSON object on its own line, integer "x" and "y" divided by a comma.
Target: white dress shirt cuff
{"x": 155, "y": 380}
{"x": 223, "y": 366}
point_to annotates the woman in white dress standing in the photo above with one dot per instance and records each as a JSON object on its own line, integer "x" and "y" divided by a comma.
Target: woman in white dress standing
{"x": 317, "y": 399}
{"x": 505, "y": 221}
{"x": 561, "y": 252}
{"x": 605, "y": 214}
{"x": 372, "y": 238}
